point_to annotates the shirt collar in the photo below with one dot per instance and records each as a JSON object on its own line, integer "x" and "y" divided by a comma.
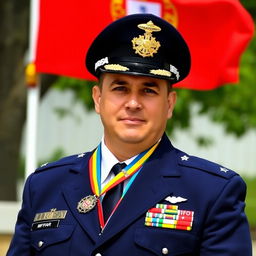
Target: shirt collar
{"x": 108, "y": 160}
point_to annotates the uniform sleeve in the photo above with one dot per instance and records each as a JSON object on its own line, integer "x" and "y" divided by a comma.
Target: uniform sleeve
{"x": 21, "y": 244}
{"x": 226, "y": 229}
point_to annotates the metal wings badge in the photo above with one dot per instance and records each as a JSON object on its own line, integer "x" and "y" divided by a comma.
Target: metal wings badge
{"x": 146, "y": 45}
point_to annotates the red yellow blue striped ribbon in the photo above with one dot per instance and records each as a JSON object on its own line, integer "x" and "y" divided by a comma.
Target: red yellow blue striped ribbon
{"x": 129, "y": 171}
{"x": 95, "y": 170}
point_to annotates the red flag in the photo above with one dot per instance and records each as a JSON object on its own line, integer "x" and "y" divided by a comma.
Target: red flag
{"x": 217, "y": 32}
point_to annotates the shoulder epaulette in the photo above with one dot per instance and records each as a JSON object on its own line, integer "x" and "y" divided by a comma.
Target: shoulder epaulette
{"x": 68, "y": 160}
{"x": 204, "y": 165}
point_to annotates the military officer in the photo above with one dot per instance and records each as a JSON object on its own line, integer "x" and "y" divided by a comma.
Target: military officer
{"x": 135, "y": 194}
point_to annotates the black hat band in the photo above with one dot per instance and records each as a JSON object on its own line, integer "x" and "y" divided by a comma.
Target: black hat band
{"x": 137, "y": 66}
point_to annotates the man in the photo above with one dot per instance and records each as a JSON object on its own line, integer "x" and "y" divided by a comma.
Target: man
{"x": 158, "y": 200}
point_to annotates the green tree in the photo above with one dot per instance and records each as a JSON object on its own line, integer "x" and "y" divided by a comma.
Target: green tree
{"x": 13, "y": 43}
{"x": 13, "y": 46}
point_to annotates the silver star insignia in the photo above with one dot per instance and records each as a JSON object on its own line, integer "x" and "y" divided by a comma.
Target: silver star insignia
{"x": 44, "y": 164}
{"x": 222, "y": 169}
{"x": 81, "y": 155}
{"x": 184, "y": 158}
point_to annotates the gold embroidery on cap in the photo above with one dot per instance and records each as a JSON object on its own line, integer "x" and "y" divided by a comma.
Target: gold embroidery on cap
{"x": 146, "y": 45}
{"x": 160, "y": 72}
{"x": 115, "y": 67}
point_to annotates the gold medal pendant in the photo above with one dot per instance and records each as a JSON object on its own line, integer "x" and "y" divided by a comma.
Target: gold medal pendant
{"x": 87, "y": 203}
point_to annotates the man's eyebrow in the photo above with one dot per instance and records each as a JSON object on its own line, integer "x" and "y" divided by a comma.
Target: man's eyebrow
{"x": 151, "y": 84}
{"x": 119, "y": 82}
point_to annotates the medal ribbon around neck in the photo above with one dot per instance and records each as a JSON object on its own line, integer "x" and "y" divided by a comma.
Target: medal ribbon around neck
{"x": 128, "y": 171}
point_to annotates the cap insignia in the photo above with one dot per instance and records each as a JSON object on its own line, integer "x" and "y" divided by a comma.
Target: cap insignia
{"x": 101, "y": 62}
{"x": 146, "y": 45}
{"x": 115, "y": 67}
{"x": 175, "y": 71}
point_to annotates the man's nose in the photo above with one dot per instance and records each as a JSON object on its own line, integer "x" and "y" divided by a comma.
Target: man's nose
{"x": 133, "y": 103}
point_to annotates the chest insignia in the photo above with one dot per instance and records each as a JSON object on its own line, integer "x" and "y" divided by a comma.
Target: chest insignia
{"x": 169, "y": 216}
{"x": 53, "y": 214}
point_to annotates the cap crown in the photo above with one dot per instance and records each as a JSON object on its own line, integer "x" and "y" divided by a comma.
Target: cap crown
{"x": 140, "y": 44}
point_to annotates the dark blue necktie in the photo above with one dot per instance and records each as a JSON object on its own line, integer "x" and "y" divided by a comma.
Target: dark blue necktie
{"x": 113, "y": 195}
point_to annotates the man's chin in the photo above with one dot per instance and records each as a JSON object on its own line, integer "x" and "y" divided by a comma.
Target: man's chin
{"x": 132, "y": 138}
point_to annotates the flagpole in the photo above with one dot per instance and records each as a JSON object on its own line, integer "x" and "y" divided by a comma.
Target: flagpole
{"x": 33, "y": 95}
{"x": 33, "y": 92}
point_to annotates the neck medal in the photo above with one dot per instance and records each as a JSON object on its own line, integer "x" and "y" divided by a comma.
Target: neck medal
{"x": 88, "y": 203}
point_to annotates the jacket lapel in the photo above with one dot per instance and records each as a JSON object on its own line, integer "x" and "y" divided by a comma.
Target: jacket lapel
{"x": 78, "y": 187}
{"x": 149, "y": 187}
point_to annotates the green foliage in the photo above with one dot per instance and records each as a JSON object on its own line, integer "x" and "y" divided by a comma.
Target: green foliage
{"x": 231, "y": 105}
{"x": 57, "y": 154}
{"x": 250, "y": 208}
{"x": 250, "y": 5}
{"x": 82, "y": 90}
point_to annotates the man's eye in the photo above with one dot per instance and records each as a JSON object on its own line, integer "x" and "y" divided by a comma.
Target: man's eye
{"x": 119, "y": 88}
{"x": 148, "y": 90}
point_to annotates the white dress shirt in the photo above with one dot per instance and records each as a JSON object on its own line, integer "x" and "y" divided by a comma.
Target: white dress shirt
{"x": 108, "y": 160}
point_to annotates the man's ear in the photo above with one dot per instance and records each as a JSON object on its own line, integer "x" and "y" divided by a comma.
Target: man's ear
{"x": 171, "y": 102}
{"x": 96, "y": 95}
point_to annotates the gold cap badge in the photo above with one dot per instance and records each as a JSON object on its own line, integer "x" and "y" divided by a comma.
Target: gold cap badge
{"x": 146, "y": 45}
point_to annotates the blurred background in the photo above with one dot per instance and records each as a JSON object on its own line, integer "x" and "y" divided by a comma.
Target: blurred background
{"x": 219, "y": 124}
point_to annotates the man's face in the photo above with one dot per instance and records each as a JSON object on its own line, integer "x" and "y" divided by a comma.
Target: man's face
{"x": 133, "y": 109}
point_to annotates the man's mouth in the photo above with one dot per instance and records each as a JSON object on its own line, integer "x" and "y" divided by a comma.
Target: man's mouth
{"x": 132, "y": 120}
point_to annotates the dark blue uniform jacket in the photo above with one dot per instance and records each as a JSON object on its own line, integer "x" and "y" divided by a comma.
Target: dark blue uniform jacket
{"x": 214, "y": 193}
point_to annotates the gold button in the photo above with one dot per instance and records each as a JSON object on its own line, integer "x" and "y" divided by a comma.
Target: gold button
{"x": 165, "y": 251}
{"x": 40, "y": 244}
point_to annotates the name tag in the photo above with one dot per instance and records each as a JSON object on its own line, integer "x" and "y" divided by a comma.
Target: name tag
{"x": 45, "y": 225}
